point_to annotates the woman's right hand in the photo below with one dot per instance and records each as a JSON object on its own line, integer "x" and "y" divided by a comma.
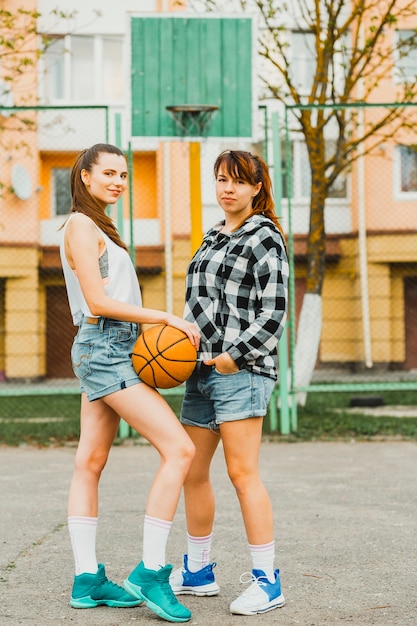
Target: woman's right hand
{"x": 188, "y": 328}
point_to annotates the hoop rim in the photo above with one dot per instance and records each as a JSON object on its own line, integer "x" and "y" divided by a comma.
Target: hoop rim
{"x": 192, "y": 108}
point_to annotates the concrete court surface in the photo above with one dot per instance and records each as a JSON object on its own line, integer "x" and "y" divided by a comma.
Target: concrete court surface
{"x": 346, "y": 535}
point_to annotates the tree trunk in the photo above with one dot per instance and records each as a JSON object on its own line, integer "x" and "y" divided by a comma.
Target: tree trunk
{"x": 308, "y": 342}
{"x": 310, "y": 321}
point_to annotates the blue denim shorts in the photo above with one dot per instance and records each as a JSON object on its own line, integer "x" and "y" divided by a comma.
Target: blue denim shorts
{"x": 212, "y": 398}
{"x": 101, "y": 356}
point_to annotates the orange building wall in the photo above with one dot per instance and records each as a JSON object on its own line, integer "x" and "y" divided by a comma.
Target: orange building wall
{"x": 383, "y": 210}
{"x": 144, "y": 186}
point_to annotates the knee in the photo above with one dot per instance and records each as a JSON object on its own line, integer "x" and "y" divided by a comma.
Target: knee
{"x": 92, "y": 462}
{"x": 183, "y": 456}
{"x": 240, "y": 480}
{"x": 188, "y": 453}
{"x": 176, "y": 454}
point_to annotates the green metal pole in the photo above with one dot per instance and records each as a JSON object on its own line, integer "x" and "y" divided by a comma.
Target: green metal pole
{"x": 131, "y": 213}
{"x": 124, "y": 428}
{"x": 282, "y": 344}
{"x": 118, "y": 134}
{"x": 288, "y": 162}
{"x": 264, "y": 109}
{"x": 107, "y": 124}
{"x": 285, "y": 426}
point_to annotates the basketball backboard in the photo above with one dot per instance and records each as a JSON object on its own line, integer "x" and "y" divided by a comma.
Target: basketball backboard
{"x": 191, "y": 60}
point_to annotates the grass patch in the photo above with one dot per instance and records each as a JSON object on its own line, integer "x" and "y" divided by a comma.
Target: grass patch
{"x": 54, "y": 419}
{"x": 347, "y": 426}
{"x": 326, "y": 417}
{"x": 22, "y": 419}
{"x": 22, "y": 407}
{"x": 319, "y": 402}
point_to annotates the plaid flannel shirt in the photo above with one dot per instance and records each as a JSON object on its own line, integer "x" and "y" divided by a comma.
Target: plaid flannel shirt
{"x": 237, "y": 294}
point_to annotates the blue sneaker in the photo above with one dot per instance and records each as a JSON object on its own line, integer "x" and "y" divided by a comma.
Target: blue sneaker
{"x": 199, "y": 583}
{"x": 153, "y": 587}
{"x": 91, "y": 590}
{"x": 260, "y": 597}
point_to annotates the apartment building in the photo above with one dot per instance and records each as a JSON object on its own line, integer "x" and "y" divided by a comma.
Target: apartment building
{"x": 80, "y": 94}
{"x": 80, "y": 91}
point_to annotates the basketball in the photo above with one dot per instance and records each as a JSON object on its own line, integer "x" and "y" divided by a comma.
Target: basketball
{"x": 163, "y": 357}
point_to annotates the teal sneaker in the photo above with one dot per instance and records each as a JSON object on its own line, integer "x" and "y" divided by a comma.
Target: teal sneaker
{"x": 153, "y": 587}
{"x": 90, "y": 590}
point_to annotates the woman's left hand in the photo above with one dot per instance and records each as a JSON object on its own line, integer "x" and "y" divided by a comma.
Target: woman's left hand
{"x": 188, "y": 328}
{"x": 223, "y": 363}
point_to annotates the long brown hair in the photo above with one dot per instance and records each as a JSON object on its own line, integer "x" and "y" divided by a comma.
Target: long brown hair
{"x": 253, "y": 170}
{"x": 83, "y": 201}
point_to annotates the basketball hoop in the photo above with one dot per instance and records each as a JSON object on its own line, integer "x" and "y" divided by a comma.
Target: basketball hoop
{"x": 192, "y": 120}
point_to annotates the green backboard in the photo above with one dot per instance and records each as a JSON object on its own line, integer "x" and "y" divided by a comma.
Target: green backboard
{"x": 191, "y": 60}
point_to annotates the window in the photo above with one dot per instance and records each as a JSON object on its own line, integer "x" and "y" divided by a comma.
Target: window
{"x": 303, "y": 61}
{"x": 61, "y": 193}
{"x": 112, "y": 58}
{"x": 406, "y": 56}
{"x": 406, "y": 167}
{"x": 54, "y": 69}
{"x": 83, "y": 69}
{"x": 299, "y": 169}
{"x": 301, "y": 173}
{"x": 339, "y": 188}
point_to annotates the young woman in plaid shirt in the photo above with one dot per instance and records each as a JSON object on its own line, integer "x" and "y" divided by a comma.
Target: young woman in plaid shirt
{"x": 237, "y": 296}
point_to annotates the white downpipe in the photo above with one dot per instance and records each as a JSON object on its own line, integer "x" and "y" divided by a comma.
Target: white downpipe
{"x": 363, "y": 264}
{"x": 363, "y": 254}
{"x": 169, "y": 299}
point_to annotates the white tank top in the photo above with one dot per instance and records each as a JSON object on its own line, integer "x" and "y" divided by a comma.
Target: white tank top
{"x": 117, "y": 272}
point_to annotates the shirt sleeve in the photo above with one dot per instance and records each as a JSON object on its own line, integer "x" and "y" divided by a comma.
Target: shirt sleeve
{"x": 271, "y": 282}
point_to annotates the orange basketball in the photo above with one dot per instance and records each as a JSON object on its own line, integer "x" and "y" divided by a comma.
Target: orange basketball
{"x": 163, "y": 357}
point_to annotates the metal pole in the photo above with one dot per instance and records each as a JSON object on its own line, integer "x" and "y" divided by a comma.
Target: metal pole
{"x": 294, "y": 419}
{"x": 124, "y": 428}
{"x": 119, "y": 206}
{"x": 282, "y": 344}
{"x": 131, "y": 212}
{"x": 169, "y": 301}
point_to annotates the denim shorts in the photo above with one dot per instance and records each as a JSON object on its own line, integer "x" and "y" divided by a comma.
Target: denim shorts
{"x": 102, "y": 356}
{"x": 212, "y": 398}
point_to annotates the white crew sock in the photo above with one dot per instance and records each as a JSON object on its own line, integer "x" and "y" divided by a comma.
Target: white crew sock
{"x": 155, "y": 537}
{"x": 198, "y": 552}
{"x": 82, "y": 531}
{"x": 263, "y": 557}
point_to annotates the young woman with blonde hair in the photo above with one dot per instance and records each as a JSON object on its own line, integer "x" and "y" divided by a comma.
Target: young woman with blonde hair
{"x": 106, "y": 306}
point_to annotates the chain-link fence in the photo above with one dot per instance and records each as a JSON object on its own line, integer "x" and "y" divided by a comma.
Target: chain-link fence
{"x": 38, "y": 148}
{"x": 369, "y": 295}
{"x": 156, "y": 218}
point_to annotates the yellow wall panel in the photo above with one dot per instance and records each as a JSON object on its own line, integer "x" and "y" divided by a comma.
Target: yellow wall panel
{"x": 21, "y": 321}
{"x": 25, "y": 344}
{"x": 23, "y": 300}
{"x": 17, "y": 367}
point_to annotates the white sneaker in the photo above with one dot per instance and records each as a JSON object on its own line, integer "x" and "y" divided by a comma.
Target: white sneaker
{"x": 199, "y": 583}
{"x": 260, "y": 597}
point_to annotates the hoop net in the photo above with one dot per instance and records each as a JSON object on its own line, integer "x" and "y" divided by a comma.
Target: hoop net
{"x": 192, "y": 120}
